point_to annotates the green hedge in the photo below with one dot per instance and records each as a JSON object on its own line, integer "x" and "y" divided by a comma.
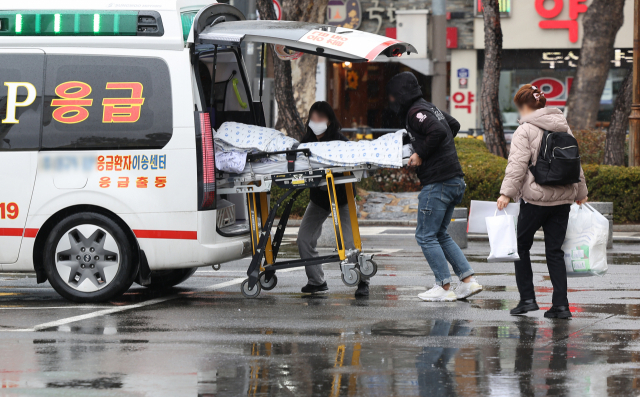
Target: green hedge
{"x": 484, "y": 173}
{"x": 620, "y": 185}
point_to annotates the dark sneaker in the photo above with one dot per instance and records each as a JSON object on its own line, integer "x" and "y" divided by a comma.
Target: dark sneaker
{"x": 363, "y": 289}
{"x": 525, "y": 306}
{"x": 314, "y": 289}
{"x": 558, "y": 312}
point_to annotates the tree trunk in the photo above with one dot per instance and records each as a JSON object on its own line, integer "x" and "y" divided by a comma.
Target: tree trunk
{"x": 617, "y": 133}
{"x": 304, "y": 69}
{"x": 601, "y": 23}
{"x": 304, "y": 83}
{"x": 491, "y": 115}
{"x": 295, "y": 87}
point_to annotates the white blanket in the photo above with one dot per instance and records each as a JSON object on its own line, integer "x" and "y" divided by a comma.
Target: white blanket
{"x": 385, "y": 151}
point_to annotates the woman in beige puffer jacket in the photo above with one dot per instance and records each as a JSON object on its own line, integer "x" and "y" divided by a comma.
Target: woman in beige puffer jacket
{"x": 540, "y": 205}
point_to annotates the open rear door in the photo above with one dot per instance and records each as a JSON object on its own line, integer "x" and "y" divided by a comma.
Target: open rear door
{"x": 312, "y": 38}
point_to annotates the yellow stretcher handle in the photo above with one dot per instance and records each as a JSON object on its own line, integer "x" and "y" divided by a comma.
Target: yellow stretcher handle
{"x": 235, "y": 89}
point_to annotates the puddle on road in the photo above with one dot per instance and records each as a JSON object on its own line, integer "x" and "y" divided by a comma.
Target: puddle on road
{"x": 430, "y": 357}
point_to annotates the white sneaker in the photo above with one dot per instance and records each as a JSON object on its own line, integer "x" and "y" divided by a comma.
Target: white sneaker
{"x": 438, "y": 294}
{"x": 465, "y": 290}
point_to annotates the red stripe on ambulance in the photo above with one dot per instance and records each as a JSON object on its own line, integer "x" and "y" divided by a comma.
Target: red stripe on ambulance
{"x": 166, "y": 234}
{"x": 373, "y": 54}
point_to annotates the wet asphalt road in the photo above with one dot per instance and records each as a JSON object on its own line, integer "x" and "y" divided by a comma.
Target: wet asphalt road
{"x": 203, "y": 338}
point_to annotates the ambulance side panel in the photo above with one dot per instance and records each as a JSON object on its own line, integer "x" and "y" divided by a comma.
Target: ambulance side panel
{"x": 154, "y": 190}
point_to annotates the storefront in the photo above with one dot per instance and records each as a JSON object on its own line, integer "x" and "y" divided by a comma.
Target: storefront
{"x": 542, "y": 41}
{"x": 357, "y": 91}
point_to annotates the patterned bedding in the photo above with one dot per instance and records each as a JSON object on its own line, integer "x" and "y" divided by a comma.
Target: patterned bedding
{"x": 386, "y": 151}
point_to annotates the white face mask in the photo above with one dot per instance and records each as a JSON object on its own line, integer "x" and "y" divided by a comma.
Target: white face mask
{"x": 318, "y": 128}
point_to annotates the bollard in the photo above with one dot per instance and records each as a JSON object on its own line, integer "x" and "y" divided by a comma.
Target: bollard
{"x": 458, "y": 227}
{"x": 606, "y": 209}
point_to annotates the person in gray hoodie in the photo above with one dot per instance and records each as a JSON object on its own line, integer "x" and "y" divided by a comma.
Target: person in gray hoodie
{"x": 540, "y": 205}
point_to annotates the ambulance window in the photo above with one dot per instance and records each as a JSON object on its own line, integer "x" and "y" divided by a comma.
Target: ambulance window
{"x": 95, "y": 102}
{"x": 20, "y": 101}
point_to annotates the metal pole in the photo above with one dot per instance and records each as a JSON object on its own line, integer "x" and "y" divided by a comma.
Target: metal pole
{"x": 634, "y": 118}
{"x": 250, "y": 51}
{"x": 439, "y": 81}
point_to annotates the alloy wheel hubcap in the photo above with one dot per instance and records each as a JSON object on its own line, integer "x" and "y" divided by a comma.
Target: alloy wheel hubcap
{"x": 87, "y": 258}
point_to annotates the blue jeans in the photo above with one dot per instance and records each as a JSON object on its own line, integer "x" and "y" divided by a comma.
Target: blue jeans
{"x": 436, "y": 204}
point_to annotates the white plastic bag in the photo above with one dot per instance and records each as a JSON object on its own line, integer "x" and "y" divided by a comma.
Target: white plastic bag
{"x": 502, "y": 238}
{"x": 585, "y": 245}
{"x": 481, "y": 209}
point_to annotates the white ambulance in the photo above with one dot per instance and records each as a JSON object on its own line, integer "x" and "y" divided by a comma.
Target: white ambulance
{"x": 107, "y": 173}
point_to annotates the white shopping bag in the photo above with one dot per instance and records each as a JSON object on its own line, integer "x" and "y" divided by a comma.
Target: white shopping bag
{"x": 585, "y": 244}
{"x": 481, "y": 209}
{"x": 502, "y": 237}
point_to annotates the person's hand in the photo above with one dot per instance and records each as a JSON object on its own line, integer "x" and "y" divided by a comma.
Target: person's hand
{"x": 503, "y": 201}
{"x": 415, "y": 160}
{"x": 583, "y": 201}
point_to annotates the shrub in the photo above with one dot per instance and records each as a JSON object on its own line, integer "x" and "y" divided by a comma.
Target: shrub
{"x": 591, "y": 143}
{"x": 620, "y": 185}
{"x": 298, "y": 207}
{"x": 484, "y": 173}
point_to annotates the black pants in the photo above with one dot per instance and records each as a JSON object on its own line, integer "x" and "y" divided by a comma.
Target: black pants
{"x": 554, "y": 223}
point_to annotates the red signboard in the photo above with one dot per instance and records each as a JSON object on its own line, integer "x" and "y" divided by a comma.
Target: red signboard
{"x": 452, "y": 37}
{"x": 576, "y": 7}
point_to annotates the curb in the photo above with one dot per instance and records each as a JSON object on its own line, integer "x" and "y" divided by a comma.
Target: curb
{"x": 414, "y": 223}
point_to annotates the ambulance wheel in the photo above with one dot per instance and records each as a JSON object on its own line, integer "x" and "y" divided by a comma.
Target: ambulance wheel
{"x": 165, "y": 279}
{"x": 352, "y": 279}
{"x": 89, "y": 258}
{"x": 250, "y": 293}
{"x": 268, "y": 285}
{"x": 369, "y": 269}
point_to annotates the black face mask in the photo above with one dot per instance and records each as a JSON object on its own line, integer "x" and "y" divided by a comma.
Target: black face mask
{"x": 395, "y": 107}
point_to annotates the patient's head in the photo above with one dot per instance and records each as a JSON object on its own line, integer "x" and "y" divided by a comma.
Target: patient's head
{"x": 322, "y": 121}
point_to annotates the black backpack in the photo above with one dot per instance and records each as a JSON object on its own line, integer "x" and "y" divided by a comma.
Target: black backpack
{"x": 558, "y": 161}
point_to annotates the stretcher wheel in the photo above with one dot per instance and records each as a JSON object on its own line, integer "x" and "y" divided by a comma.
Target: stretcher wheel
{"x": 352, "y": 279}
{"x": 250, "y": 293}
{"x": 369, "y": 269}
{"x": 268, "y": 285}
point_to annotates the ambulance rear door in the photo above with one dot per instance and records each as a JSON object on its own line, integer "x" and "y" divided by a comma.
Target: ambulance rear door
{"x": 312, "y": 38}
{"x": 21, "y": 104}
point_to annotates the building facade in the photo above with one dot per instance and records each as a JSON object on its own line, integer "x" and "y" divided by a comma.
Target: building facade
{"x": 542, "y": 41}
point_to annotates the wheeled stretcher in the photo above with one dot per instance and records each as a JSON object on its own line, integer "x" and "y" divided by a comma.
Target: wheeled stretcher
{"x": 300, "y": 173}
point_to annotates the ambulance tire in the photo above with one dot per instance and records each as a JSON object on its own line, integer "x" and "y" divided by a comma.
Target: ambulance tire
{"x": 169, "y": 278}
{"x": 104, "y": 263}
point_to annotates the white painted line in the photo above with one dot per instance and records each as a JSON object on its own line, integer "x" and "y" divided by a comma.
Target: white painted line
{"x": 120, "y": 309}
{"x": 52, "y": 307}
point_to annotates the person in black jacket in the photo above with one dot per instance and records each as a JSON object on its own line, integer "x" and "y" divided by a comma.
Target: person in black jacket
{"x": 436, "y": 160}
{"x": 323, "y": 126}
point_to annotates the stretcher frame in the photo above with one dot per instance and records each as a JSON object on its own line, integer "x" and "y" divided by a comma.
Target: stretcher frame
{"x": 354, "y": 264}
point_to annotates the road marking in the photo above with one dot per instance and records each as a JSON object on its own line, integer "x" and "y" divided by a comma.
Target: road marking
{"x": 120, "y": 309}
{"x": 52, "y": 307}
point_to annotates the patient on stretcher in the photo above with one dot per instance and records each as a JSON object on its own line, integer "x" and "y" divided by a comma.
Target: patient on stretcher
{"x": 234, "y": 141}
